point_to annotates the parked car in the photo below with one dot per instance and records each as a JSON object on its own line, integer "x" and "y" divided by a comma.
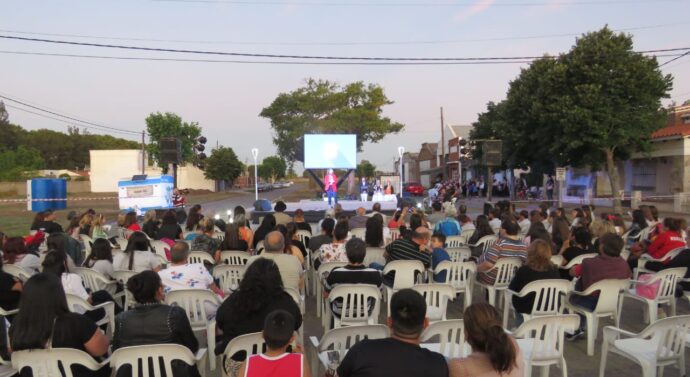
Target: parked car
{"x": 414, "y": 188}
{"x": 263, "y": 186}
{"x": 280, "y": 184}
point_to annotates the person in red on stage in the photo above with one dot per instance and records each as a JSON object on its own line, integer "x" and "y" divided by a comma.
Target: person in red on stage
{"x": 178, "y": 199}
{"x": 330, "y": 185}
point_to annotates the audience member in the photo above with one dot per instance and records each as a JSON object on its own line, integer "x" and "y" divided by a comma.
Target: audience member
{"x": 260, "y": 293}
{"x": 289, "y": 266}
{"x": 299, "y": 220}
{"x": 448, "y": 226}
{"x": 359, "y": 220}
{"x": 10, "y": 290}
{"x": 436, "y": 212}
{"x": 669, "y": 239}
{"x": 325, "y": 237}
{"x": 581, "y": 243}
{"x": 206, "y": 241}
{"x": 507, "y": 246}
{"x": 281, "y": 217}
{"x": 137, "y": 256}
{"x": 65, "y": 244}
{"x": 537, "y": 232}
{"x": 240, "y": 219}
{"x": 398, "y": 219}
{"x": 638, "y": 223}
{"x": 295, "y": 239}
{"x": 415, "y": 248}
{"x": 170, "y": 229}
{"x": 101, "y": 258}
{"x": 233, "y": 240}
{"x": 130, "y": 222}
{"x": 399, "y": 355}
{"x": 268, "y": 224}
{"x": 73, "y": 228}
{"x": 524, "y": 223}
{"x": 288, "y": 247}
{"x": 466, "y": 223}
{"x": 15, "y": 252}
{"x": 97, "y": 228}
{"x": 494, "y": 352}
{"x": 483, "y": 230}
{"x": 150, "y": 225}
{"x": 376, "y": 234}
{"x": 376, "y": 209}
{"x": 495, "y": 220}
{"x": 560, "y": 232}
{"x": 45, "y": 221}
{"x": 193, "y": 218}
{"x": 151, "y": 322}
{"x": 438, "y": 255}
{"x": 334, "y": 251}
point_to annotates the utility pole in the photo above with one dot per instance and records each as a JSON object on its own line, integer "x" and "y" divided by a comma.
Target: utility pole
{"x": 443, "y": 147}
{"x": 143, "y": 153}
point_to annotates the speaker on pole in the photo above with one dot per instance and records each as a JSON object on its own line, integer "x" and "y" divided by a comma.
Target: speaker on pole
{"x": 170, "y": 150}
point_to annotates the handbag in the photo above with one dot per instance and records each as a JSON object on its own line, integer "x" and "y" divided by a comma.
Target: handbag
{"x": 646, "y": 287}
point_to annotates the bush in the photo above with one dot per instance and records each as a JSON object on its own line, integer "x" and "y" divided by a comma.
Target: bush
{"x": 81, "y": 179}
{"x": 65, "y": 176}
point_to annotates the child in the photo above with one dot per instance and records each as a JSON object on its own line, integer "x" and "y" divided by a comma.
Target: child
{"x": 438, "y": 255}
{"x": 278, "y": 333}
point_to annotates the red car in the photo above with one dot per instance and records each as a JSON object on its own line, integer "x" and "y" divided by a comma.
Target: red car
{"x": 414, "y": 188}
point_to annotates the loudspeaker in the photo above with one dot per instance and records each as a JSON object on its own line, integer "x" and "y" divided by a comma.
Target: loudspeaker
{"x": 170, "y": 150}
{"x": 491, "y": 152}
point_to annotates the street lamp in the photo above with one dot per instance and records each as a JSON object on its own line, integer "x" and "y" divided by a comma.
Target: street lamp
{"x": 255, "y": 154}
{"x": 401, "y": 151}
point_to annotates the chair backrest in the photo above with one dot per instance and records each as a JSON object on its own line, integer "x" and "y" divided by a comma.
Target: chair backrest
{"x": 547, "y": 333}
{"x": 669, "y": 279}
{"x": 355, "y": 307}
{"x": 458, "y": 274}
{"x": 549, "y": 295}
{"x": 670, "y": 336}
{"x": 374, "y": 254}
{"x": 50, "y": 362}
{"x": 86, "y": 240}
{"x": 395, "y": 234}
{"x": 454, "y": 241}
{"x": 505, "y": 271}
{"x": 405, "y": 272}
{"x": 229, "y": 276}
{"x": 16, "y": 271}
{"x": 609, "y": 294}
{"x": 466, "y": 235}
{"x": 459, "y": 254}
{"x": 201, "y": 257}
{"x": 343, "y": 338}
{"x": 159, "y": 247}
{"x": 304, "y": 236}
{"x": 578, "y": 260}
{"x": 451, "y": 337}
{"x": 93, "y": 280}
{"x": 259, "y": 246}
{"x": 557, "y": 260}
{"x": 122, "y": 276}
{"x": 326, "y": 268}
{"x": 487, "y": 241}
{"x": 644, "y": 233}
{"x": 193, "y": 302}
{"x": 219, "y": 235}
{"x": 358, "y": 233}
{"x": 235, "y": 257}
{"x": 436, "y": 297}
{"x": 252, "y": 344}
{"x": 140, "y": 358}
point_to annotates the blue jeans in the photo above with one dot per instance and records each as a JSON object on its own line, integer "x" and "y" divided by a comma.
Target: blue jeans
{"x": 587, "y": 302}
{"x": 332, "y": 195}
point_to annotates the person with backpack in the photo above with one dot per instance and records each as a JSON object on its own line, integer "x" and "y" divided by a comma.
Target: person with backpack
{"x": 448, "y": 226}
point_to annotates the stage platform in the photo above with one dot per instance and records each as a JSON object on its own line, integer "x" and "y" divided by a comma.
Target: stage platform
{"x": 348, "y": 205}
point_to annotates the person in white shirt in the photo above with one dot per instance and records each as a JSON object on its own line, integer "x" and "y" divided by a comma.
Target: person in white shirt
{"x": 289, "y": 266}
{"x": 495, "y": 220}
{"x": 137, "y": 256}
{"x": 14, "y": 251}
{"x": 523, "y": 222}
{"x": 101, "y": 257}
{"x": 183, "y": 275}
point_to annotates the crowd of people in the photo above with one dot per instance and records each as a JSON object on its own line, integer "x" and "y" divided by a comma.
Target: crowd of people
{"x": 278, "y": 252}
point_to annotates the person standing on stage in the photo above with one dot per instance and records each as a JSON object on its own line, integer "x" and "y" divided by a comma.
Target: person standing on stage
{"x": 378, "y": 191}
{"x": 364, "y": 190}
{"x": 331, "y": 186}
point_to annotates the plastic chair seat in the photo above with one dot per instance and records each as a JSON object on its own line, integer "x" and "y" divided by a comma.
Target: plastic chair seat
{"x": 527, "y": 347}
{"x": 642, "y": 349}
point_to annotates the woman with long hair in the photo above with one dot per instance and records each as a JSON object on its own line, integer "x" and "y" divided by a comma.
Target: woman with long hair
{"x": 240, "y": 219}
{"x": 130, "y": 222}
{"x": 373, "y": 236}
{"x": 73, "y": 228}
{"x": 578, "y": 218}
{"x": 294, "y": 238}
{"x": 483, "y": 229}
{"x": 161, "y": 323}
{"x": 170, "y": 228}
{"x": 206, "y": 241}
{"x": 560, "y": 231}
{"x": 288, "y": 247}
{"x": 494, "y": 352}
{"x": 85, "y": 223}
{"x": 639, "y": 222}
{"x": 101, "y": 257}
{"x": 537, "y": 231}
{"x": 232, "y": 240}
{"x": 260, "y": 292}
{"x": 137, "y": 256}
{"x": 150, "y": 224}
{"x": 62, "y": 243}
{"x": 96, "y": 228}
{"x": 268, "y": 224}
{"x": 44, "y": 316}
{"x": 15, "y": 252}
{"x": 193, "y": 218}
{"x": 10, "y": 290}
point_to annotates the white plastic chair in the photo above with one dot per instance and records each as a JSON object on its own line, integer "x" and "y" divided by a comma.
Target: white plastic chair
{"x": 358, "y": 233}
{"x": 375, "y": 254}
{"x": 235, "y": 257}
{"x": 122, "y": 276}
{"x": 304, "y": 237}
{"x": 152, "y": 355}
{"x": 196, "y": 257}
{"x": 229, "y": 276}
{"x": 541, "y": 341}
{"x": 453, "y": 242}
{"x": 505, "y": 271}
{"x": 459, "y": 254}
{"x": 660, "y": 344}
{"x": 47, "y": 362}
{"x": 96, "y": 281}
{"x": 557, "y": 260}
{"x": 665, "y": 295}
{"x": 219, "y": 235}
{"x": 549, "y": 295}
{"x": 355, "y": 305}
{"x": 342, "y": 339}
{"x": 76, "y": 302}
{"x": 643, "y": 234}
{"x": 395, "y": 234}
{"x": 16, "y": 271}
{"x": 405, "y": 275}
{"x": 193, "y": 301}
{"x": 644, "y": 258}
{"x": 608, "y": 305}
{"x": 466, "y": 235}
{"x": 486, "y": 242}
{"x": 86, "y": 241}
{"x": 451, "y": 338}
{"x": 321, "y": 273}
{"x": 460, "y": 275}
{"x": 252, "y": 344}
{"x": 159, "y": 247}
{"x": 577, "y": 260}
{"x": 436, "y": 297}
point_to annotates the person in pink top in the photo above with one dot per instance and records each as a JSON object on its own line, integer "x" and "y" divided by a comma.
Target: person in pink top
{"x": 278, "y": 334}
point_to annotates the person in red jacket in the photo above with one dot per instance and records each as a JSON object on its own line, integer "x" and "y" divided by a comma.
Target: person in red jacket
{"x": 670, "y": 238}
{"x": 330, "y": 183}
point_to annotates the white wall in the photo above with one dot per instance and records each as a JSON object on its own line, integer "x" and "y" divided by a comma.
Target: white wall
{"x": 109, "y": 166}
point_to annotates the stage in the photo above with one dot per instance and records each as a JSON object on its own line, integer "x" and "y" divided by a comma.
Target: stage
{"x": 315, "y": 210}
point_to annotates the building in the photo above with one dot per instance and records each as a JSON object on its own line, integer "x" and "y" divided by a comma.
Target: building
{"x": 452, "y": 138}
{"x": 410, "y": 167}
{"x": 429, "y": 167}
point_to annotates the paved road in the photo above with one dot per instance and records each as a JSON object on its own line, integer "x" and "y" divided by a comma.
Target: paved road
{"x": 246, "y": 199}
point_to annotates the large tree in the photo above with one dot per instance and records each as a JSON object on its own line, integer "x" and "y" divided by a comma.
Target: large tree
{"x": 223, "y": 165}
{"x": 160, "y": 125}
{"x": 366, "y": 169}
{"x": 325, "y": 107}
{"x": 272, "y": 168}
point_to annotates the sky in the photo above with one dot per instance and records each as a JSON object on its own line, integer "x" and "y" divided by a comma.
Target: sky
{"x": 226, "y": 98}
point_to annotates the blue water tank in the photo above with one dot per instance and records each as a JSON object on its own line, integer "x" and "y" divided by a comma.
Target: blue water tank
{"x": 48, "y": 188}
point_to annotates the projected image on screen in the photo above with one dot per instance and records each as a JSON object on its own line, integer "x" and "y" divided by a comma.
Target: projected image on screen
{"x": 330, "y": 151}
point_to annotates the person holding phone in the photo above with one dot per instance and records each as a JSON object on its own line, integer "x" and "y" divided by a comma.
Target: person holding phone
{"x": 331, "y": 186}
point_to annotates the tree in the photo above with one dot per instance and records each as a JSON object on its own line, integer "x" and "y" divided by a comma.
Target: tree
{"x": 324, "y": 107}
{"x": 272, "y": 167}
{"x": 223, "y": 165}
{"x": 18, "y": 164}
{"x": 160, "y": 125}
{"x": 366, "y": 169}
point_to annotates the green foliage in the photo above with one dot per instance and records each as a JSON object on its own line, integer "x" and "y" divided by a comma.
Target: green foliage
{"x": 65, "y": 176}
{"x": 223, "y": 165}
{"x": 171, "y": 125}
{"x": 324, "y": 107}
{"x": 272, "y": 168}
{"x": 366, "y": 169}
{"x": 16, "y": 165}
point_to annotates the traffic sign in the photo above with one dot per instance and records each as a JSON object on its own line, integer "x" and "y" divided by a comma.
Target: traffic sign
{"x": 560, "y": 174}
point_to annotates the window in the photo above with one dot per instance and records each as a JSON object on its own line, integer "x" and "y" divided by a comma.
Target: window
{"x": 685, "y": 118}
{"x": 644, "y": 174}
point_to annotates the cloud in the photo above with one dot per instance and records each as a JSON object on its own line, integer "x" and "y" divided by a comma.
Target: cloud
{"x": 478, "y": 7}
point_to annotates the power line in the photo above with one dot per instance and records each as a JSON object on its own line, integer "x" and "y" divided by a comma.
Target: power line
{"x": 676, "y": 58}
{"x": 314, "y": 57}
{"x": 96, "y": 125}
{"x": 341, "y": 43}
{"x": 415, "y": 4}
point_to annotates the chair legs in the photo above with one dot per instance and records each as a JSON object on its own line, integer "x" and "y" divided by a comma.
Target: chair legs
{"x": 604, "y": 355}
{"x": 545, "y": 371}
{"x": 592, "y": 332}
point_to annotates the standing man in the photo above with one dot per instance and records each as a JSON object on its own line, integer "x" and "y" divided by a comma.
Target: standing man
{"x": 331, "y": 186}
{"x": 549, "y": 188}
{"x": 363, "y": 190}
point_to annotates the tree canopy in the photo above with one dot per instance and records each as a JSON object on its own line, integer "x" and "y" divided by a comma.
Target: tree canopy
{"x": 160, "y": 125}
{"x": 272, "y": 168}
{"x": 592, "y": 106}
{"x": 366, "y": 169}
{"x": 223, "y": 165}
{"x": 325, "y": 107}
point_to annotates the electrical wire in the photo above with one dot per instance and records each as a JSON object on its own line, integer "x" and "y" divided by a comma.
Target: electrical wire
{"x": 95, "y": 125}
{"x": 415, "y": 4}
{"x": 674, "y": 59}
{"x": 313, "y": 57}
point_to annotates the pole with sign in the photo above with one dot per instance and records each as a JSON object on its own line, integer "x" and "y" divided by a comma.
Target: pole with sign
{"x": 560, "y": 178}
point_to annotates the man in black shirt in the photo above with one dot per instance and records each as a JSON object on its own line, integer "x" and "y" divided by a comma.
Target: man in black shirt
{"x": 399, "y": 355}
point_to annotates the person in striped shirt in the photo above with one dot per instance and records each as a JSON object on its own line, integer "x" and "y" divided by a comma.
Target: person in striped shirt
{"x": 416, "y": 248}
{"x": 509, "y": 245}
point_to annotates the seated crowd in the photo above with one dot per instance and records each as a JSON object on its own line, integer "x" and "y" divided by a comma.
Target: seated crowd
{"x": 280, "y": 251}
